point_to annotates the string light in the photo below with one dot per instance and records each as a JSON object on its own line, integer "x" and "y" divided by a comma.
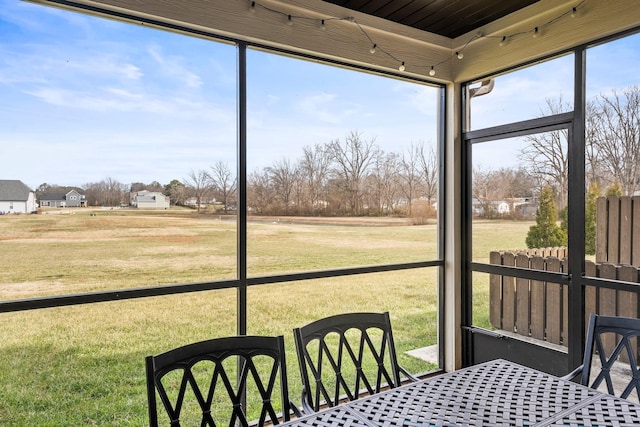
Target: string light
{"x": 504, "y": 39}
{"x": 537, "y": 31}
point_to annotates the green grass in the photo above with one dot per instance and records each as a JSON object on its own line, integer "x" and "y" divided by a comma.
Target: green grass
{"x": 84, "y": 365}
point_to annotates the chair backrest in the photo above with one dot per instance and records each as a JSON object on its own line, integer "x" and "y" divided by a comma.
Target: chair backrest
{"x": 345, "y": 355}
{"x": 615, "y": 341}
{"x": 206, "y": 383}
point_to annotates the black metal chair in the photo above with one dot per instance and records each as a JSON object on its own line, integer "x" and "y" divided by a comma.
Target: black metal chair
{"x": 199, "y": 383}
{"x": 345, "y": 356}
{"x": 613, "y": 339}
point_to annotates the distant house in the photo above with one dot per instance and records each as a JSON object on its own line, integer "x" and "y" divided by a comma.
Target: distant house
{"x": 149, "y": 200}
{"x": 62, "y": 199}
{"x": 16, "y": 197}
{"x": 483, "y": 207}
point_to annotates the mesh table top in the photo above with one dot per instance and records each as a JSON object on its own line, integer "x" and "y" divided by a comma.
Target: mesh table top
{"x": 497, "y": 393}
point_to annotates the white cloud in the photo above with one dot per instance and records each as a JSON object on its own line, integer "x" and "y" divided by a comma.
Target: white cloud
{"x": 324, "y": 107}
{"x": 173, "y": 67}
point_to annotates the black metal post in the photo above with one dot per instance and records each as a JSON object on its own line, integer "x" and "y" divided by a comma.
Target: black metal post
{"x": 576, "y": 215}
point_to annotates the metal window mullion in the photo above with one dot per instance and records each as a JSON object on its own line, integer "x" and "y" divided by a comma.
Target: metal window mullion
{"x": 574, "y": 337}
{"x": 441, "y": 222}
{"x": 242, "y": 191}
{"x": 466, "y": 299}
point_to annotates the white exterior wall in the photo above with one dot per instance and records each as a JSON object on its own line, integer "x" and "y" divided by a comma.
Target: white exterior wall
{"x": 21, "y": 207}
{"x": 153, "y": 201}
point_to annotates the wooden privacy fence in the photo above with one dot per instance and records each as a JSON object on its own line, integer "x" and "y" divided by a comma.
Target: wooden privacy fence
{"x": 538, "y": 309}
{"x": 618, "y": 230}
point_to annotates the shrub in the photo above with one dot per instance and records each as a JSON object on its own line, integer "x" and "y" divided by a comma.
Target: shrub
{"x": 546, "y": 232}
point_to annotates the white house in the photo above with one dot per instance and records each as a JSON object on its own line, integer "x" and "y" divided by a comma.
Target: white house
{"x": 150, "y": 200}
{"x": 16, "y": 197}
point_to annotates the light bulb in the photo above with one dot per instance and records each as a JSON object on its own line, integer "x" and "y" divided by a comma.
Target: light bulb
{"x": 432, "y": 71}
{"x": 373, "y": 48}
{"x": 322, "y": 25}
{"x": 401, "y": 67}
{"x": 535, "y": 32}
{"x": 460, "y": 55}
{"x": 503, "y": 41}
{"x": 252, "y": 8}
{"x": 289, "y": 21}
{"x": 574, "y": 12}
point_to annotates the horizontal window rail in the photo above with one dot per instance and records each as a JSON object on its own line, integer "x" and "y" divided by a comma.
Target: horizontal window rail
{"x": 125, "y": 294}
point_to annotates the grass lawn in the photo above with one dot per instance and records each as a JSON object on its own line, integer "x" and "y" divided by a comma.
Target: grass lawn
{"x": 84, "y": 365}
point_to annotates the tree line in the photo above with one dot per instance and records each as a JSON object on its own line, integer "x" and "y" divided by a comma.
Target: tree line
{"x": 354, "y": 176}
{"x": 612, "y": 155}
{"x": 612, "y": 146}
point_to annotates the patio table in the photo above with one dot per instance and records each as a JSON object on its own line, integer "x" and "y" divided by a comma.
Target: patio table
{"x": 496, "y": 393}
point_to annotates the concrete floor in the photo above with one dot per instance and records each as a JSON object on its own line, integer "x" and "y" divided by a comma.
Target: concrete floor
{"x": 428, "y": 354}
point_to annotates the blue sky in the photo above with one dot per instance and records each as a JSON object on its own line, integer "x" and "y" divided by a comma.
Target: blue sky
{"x": 84, "y": 98}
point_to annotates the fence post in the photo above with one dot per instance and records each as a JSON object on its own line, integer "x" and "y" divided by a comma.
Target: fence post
{"x": 635, "y": 233}
{"x": 628, "y": 303}
{"x": 522, "y": 297}
{"x": 553, "y": 303}
{"x": 508, "y": 294}
{"x": 607, "y": 300}
{"x": 538, "y": 308}
{"x": 625, "y": 231}
{"x": 602, "y": 221}
{"x": 564, "y": 315}
{"x": 613, "y": 232}
{"x": 590, "y": 295}
{"x": 495, "y": 292}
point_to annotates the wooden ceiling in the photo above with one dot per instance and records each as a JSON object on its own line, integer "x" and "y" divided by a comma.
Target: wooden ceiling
{"x": 449, "y": 18}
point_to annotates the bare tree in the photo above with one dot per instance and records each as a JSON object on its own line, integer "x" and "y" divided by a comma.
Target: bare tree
{"x": 199, "y": 185}
{"x": 483, "y": 192}
{"x": 314, "y": 168}
{"x": 155, "y": 186}
{"x": 409, "y": 174}
{"x": 259, "y": 192}
{"x": 615, "y": 131}
{"x": 224, "y": 184}
{"x": 352, "y": 161}
{"x": 383, "y": 183}
{"x": 108, "y": 192}
{"x": 595, "y": 172}
{"x": 428, "y": 161}
{"x": 283, "y": 176}
{"x": 137, "y": 186}
{"x": 545, "y": 156}
{"x": 512, "y": 184}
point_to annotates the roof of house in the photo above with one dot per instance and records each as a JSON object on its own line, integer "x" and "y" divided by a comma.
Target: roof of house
{"x": 56, "y": 195}
{"x": 14, "y": 190}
